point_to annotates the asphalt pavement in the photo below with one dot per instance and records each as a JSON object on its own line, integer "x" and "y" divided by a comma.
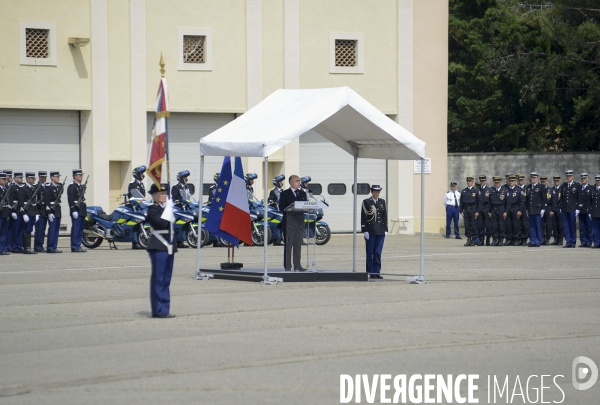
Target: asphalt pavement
{"x": 75, "y": 328}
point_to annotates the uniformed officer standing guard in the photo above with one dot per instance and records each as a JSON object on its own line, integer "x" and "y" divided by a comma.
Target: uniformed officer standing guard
{"x": 595, "y": 212}
{"x": 515, "y": 206}
{"x": 497, "y": 209}
{"x": 162, "y": 254}
{"x": 535, "y": 201}
{"x": 374, "y": 226}
{"x": 27, "y": 196}
{"x": 11, "y": 221}
{"x": 569, "y": 191}
{"x": 137, "y": 184}
{"x": 469, "y": 209}
{"x": 42, "y": 219}
{"x": 546, "y": 218}
{"x": 524, "y": 224}
{"x": 16, "y": 234}
{"x": 585, "y": 204}
{"x": 78, "y": 213}
{"x": 484, "y": 221}
{"x": 213, "y": 189}
{"x": 276, "y": 190}
{"x": 250, "y": 177}
{"x": 4, "y": 216}
{"x": 452, "y": 204}
{"x": 52, "y": 195}
{"x": 178, "y": 195}
{"x": 556, "y": 214}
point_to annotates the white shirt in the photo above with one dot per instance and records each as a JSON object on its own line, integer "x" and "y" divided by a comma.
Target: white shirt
{"x": 449, "y": 198}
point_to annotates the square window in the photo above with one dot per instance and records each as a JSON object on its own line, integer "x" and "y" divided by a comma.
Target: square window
{"x": 37, "y": 43}
{"x": 346, "y": 52}
{"x": 194, "y": 49}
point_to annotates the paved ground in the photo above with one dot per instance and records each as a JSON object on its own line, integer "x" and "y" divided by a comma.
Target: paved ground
{"x": 74, "y": 328}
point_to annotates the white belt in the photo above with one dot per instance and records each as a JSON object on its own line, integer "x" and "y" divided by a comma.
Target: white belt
{"x": 159, "y": 234}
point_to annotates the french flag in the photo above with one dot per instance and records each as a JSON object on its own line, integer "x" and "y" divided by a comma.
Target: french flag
{"x": 236, "y": 216}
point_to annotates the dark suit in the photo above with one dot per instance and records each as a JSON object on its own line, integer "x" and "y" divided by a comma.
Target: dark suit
{"x": 374, "y": 220}
{"x": 162, "y": 262}
{"x": 293, "y": 227}
{"x": 52, "y": 206}
{"x": 535, "y": 202}
{"x": 77, "y": 225}
{"x": 569, "y": 204}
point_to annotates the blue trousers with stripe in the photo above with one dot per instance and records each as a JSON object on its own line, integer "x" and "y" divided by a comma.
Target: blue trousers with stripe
{"x": 569, "y": 225}
{"x": 535, "y": 229}
{"x": 452, "y": 214}
{"x": 3, "y": 234}
{"x": 77, "y": 226}
{"x": 585, "y": 229}
{"x": 162, "y": 270}
{"x": 374, "y": 248}
{"x": 40, "y": 232}
{"x": 596, "y": 228}
{"x": 53, "y": 228}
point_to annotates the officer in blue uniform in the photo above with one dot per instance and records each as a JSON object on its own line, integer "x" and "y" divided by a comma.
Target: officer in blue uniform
{"x": 484, "y": 221}
{"x": 178, "y": 195}
{"x": 162, "y": 254}
{"x": 556, "y": 214}
{"x": 570, "y": 208}
{"x": 469, "y": 209}
{"x": 276, "y": 190}
{"x": 52, "y": 196}
{"x": 497, "y": 200}
{"x": 250, "y": 177}
{"x": 27, "y": 193}
{"x": 524, "y": 223}
{"x": 213, "y": 189}
{"x": 452, "y": 204}
{"x": 78, "y": 213}
{"x": 595, "y": 212}
{"x": 42, "y": 219}
{"x": 137, "y": 184}
{"x": 16, "y": 234}
{"x": 585, "y": 204}
{"x": 374, "y": 226}
{"x": 9, "y": 231}
{"x": 515, "y": 206}
{"x": 4, "y": 216}
{"x": 546, "y": 219}
{"x": 535, "y": 203}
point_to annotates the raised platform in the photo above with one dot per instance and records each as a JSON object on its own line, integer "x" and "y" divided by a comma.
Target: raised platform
{"x": 287, "y": 276}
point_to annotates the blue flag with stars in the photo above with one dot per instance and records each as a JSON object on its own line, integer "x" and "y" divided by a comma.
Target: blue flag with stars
{"x": 217, "y": 207}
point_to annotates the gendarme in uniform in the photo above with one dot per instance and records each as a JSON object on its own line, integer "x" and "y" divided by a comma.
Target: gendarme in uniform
{"x": 374, "y": 226}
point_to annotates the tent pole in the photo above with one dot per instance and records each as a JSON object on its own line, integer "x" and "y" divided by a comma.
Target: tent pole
{"x": 422, "y": 273}
{"x": 199, "y": 242}
{"x": 265, "y": 216}
{"x": 354, "y": 203}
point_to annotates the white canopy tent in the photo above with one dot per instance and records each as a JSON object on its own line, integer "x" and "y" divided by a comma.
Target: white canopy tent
{"x": 338, "y": 114}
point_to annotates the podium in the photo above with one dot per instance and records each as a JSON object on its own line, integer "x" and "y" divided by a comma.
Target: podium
{"x": 299, "y": 231}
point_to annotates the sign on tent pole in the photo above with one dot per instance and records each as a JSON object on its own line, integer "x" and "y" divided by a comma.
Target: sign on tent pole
{"x": 417, "y": 166}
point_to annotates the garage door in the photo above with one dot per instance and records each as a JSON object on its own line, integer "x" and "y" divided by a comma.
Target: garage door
{"x": 185, "y": 131}
{"x": 34, "y": 140}
{"x": 333, "y": 169}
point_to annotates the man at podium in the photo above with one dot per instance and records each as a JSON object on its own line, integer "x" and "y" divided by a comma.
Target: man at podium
{"x": 292, "y": 224}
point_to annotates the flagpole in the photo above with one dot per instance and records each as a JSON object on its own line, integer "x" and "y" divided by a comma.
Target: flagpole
{"x": 166, "y": 115}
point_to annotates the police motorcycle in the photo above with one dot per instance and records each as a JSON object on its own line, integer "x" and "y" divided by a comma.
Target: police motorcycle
{"x": 256, "y": 209}
{"x": 321, "y": 231}
{"x": 127, "y": 223}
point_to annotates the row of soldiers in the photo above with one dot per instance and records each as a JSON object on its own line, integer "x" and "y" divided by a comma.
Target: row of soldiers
{"x": 27, "y": 204}
{"x": 512, "y": 213}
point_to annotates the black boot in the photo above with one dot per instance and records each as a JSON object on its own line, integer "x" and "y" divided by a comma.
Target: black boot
{"x": 494, "y": 242}
{"x": 524, "y": 242}
{"x": 468, "y": 242}
{"x": 487, "y": 241}
{"x": 545, "y": 242}
{"x": 481, "y": 242}
{"x": 509, "y": 242}
{"x": 560, "y": 241}
{"x": 27, "y": 244}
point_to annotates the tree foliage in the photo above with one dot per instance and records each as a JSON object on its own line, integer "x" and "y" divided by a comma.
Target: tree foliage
{"x": 524, "y": 75}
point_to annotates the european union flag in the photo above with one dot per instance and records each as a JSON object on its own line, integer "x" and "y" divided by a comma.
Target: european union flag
{"x": 213, "y": 221}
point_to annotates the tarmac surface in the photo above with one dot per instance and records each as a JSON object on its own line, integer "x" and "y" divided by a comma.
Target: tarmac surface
{"x": 75, "y": 328}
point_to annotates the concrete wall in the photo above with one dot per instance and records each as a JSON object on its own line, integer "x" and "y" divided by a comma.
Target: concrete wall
{"x": 460, "y": 165}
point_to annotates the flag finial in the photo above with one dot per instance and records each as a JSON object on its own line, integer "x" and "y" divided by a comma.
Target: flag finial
{"x": 162, "y": 65}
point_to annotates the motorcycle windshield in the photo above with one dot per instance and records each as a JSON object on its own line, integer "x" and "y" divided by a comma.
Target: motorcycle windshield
{"x": 135, "y": 193}
{"x": 253, "y": 200}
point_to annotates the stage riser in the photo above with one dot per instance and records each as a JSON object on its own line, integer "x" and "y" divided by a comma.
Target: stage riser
{"x": 289, "y": 277}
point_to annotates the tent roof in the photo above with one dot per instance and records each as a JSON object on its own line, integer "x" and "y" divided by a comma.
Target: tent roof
{"x": 338, "y": 114}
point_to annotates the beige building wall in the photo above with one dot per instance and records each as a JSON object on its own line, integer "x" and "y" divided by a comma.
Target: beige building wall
{"x": 431, "y": 106}
{"x": 64, "y": 86}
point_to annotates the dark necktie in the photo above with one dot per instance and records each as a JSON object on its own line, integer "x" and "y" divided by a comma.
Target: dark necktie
{"x": 455, "y": 200}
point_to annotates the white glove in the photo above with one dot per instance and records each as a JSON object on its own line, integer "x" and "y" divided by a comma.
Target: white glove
{"x": 543, "y": 212}
{"x": 167, "y": 214}
{"x": 75, "y": 215}
{"x": 576, "y": 212}
{"x": 26, "y": 218}
{"x": 37, "y": 217}
{"x": 385, "y": 233}
{"x": 366, "y": 235}
{"x": 51, "y": 217}
{"x": 14, "y": 215}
